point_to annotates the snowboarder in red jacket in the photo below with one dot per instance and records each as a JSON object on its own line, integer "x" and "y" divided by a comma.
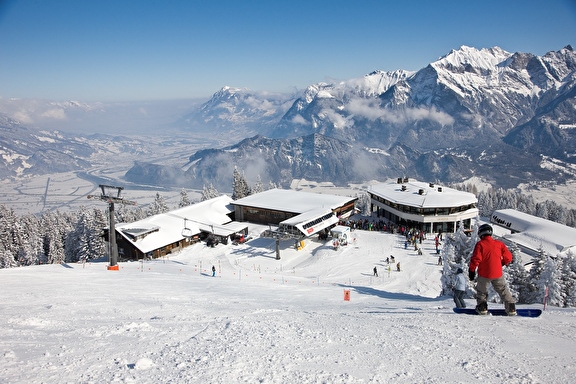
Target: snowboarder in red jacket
{"x": 489, "y": 256}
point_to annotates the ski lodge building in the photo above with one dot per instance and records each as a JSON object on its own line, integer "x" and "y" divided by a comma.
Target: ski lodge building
{"x": 425, "y": 206}
{"x": 532, "y": 233}
{"x": 162, "y": 234}
{"x": 298, "y": 214}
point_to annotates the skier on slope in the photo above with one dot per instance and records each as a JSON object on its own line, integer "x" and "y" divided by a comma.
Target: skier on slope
{"x": 459, "y": 289}
{"x": 489, "y": 256}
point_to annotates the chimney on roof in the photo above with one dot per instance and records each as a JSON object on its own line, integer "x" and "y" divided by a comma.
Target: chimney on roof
{"x": 405, "y": 179}
{"x": 403, "y": 187}
{"x": 431, "y": 185}
{"x": 439, "y": 189}
{"x": 420, "y": 191}
{"x": 399, "y": 181}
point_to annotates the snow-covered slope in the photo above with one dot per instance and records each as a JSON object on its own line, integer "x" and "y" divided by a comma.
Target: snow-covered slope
{"x": 263, "y": 320}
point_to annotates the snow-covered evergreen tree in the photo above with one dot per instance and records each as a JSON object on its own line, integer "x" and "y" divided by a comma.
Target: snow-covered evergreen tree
{"x": 569, "y": 279}
{"x": 463, "y": 245}
{"x": 76, "y": 244}
{"x": 7, "y": 259}
{"x": 28, "y": 240}
{"x": 240, "y": 187}
{"x": 551, "y": 278}
{"x": 8, "y": 219}
{"x": 85, "y": 241}
{"x": 363, "y": 203}
{"x": 536, "y": 291}
{"x": 128, "y": 214}
{"x": 449, "y": 267}
{"x": 184, "y": 200}
{"x": 157, "y": 206}
{"x": 99, "y": 223}
{"x": 209, "y": 193}
{"x": 258, "y": 187}
{"x": 455, "y": 253}
{"x": 516, "y": 276}
{"x": 569, "y": 274}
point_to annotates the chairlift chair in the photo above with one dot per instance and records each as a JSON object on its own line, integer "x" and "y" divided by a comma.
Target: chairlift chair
{"x": 187, "y": 232}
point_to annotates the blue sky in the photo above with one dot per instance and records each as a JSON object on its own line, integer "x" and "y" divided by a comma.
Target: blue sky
{"x": 128, "y": 50}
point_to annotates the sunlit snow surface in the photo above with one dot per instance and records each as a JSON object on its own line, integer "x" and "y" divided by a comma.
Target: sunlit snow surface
{"x": 262, "y": 320}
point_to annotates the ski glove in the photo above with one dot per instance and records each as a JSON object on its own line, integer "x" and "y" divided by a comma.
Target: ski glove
{"x": 472, "y": 275}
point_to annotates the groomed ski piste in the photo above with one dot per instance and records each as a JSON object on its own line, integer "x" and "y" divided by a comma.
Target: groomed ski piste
{"x": 262, "y": 320}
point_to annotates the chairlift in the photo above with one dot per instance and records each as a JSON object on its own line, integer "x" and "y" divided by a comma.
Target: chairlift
{"x": 187, "y": 232}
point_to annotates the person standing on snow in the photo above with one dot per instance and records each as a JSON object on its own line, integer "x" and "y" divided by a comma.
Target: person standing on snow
{"x": 375, "y": 272}
{"x": 459, "y": 289}
{"x": 213, "y": 271}
{"x": 489, "y": 256}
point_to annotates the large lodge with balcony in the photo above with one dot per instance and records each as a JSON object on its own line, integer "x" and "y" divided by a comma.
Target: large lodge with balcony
{"x": 425, "y": 206}
{"x": 299, "y": 214}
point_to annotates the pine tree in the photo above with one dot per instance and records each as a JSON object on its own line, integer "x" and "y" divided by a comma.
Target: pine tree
{"x": 569, "y": 274}
{"x": 27, "y": 240}
{"x": 551, "y": 279}
{"x": 209, "y": 193}
{"x": 258, "y": 187}
{"x": 456, "y": 253}
{"x": 158, "y": 206}
{"x": 240, "y": 187}
{"x": 98, "y": 225}
{"x": 246, "y": 191}
{"x": 536, "y": 291}
{"x": 449, "y": 267}
{"x": 85, "y": 241}
{"x": 7, "y": 259}
{"x": 8, "y": 221}
{"x": 184, "y": 200}
{"x": 363, "y": 203}
{"x": 516, "y": 276}
{"x": 272, "y": 185}
{"x": 463, "y": 245}
{"x": 569, "y": 279}
{"x": 76, "y": 244}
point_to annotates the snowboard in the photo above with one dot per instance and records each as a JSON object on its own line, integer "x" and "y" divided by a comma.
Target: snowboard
{"x": 524, "y": 312}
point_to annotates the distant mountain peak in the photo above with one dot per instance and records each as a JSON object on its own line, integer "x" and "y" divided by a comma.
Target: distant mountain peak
{"x": 485, "y": 58}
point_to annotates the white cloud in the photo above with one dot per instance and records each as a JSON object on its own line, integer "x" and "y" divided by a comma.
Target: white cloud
{"x": 56, "y": 113}
{"x": 337, "y": 119}
{"x": 23, "y": 117}
{"x": 372, "y": 111}
{"x": 298, "y": 119}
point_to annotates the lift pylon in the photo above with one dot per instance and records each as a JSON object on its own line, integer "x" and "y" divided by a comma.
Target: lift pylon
{"x": 111, "y": 195}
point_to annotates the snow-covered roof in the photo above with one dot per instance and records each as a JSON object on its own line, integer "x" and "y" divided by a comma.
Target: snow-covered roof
{"x": 292, "y": 201}
{"x": 312, "y": 221}
{"x": 160, "y": 230}
{"x": 422, "y": 195}
{"x": 535, "y": 232}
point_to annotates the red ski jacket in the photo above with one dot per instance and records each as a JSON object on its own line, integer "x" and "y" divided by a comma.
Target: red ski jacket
{"x": 489, "y": 256}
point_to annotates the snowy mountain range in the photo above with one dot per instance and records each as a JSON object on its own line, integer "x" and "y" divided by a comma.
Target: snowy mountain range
{"x": 507, "y": 118}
